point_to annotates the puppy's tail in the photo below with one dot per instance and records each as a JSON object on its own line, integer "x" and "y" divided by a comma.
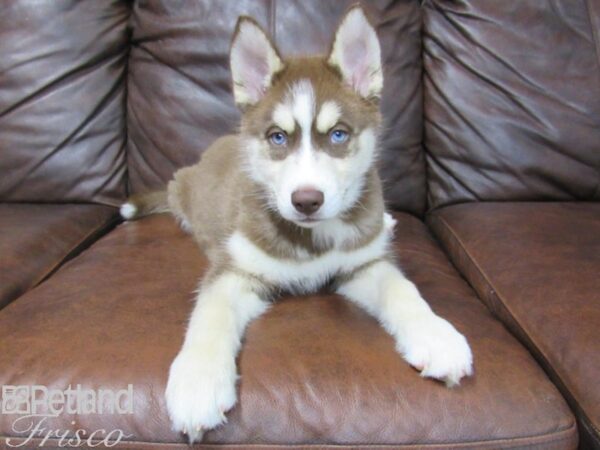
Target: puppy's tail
{"x": 141, "y": 205}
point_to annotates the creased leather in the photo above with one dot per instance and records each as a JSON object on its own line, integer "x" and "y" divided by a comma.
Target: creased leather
{"x": 179, "y": 96}
{"x": 314, "y": 370}
{"x": 536, "y": 266}
{"x": 36, "y": 239}
{"x": 62, "y": 100}
{"x": 512, "y": 100}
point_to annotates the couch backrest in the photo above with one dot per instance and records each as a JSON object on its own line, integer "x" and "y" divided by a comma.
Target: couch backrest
{"x": 62, "y": 100}
{"x": 512, "y": 100}
{"x": 179, "y": 93}
{"x": 511, "y": 94}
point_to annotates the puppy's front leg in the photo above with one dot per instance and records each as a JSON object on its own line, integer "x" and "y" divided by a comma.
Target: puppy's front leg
{"x": 428, "y": 342}
{"x": 201, "y": 386}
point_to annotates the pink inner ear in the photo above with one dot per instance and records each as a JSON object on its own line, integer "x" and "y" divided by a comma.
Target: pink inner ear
{"x": 254, "y": 69}
{"x": 356, "y": 62}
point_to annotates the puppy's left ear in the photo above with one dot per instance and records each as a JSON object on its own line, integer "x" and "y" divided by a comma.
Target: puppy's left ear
{"x": 357, "y": 55}
{"x": 254, "y": 60}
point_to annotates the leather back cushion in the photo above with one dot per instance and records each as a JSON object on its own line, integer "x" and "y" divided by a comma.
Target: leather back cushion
{"x": 62, "y": 100}
{"x": 512, "y": 100}
{"x": 179, "y": 93}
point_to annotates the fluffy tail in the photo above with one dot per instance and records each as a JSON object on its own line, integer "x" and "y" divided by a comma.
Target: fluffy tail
{"x": 144, "y": 204}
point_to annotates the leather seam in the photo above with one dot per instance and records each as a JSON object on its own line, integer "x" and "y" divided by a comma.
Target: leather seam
{"x": 596, "y": 39}
{"x": 74, "y": 250}
{"x": 129, "y": 31}
{"x": 530, "y": 345}
{"x": 595, "y": 36}
{"x": 272, "y": 19}
{"x": 517, "y": 442}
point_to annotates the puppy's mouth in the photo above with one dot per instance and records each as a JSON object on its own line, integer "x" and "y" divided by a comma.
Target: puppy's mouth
{"x": 307, "y": 222}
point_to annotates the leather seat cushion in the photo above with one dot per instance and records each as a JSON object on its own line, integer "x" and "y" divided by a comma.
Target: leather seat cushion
{"x": 35, "y": 239}
{"x": 537, "y": 266}
{"x": 314, "y": 370}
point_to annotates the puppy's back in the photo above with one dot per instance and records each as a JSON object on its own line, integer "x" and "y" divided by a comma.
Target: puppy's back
{"x": 205, "y": 196}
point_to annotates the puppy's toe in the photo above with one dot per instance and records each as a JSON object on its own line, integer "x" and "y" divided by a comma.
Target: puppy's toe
{"x": 199, "y": 392}
{"x": 437, "y": 350}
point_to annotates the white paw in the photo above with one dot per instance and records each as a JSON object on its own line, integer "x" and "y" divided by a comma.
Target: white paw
{"x": 199, "y": 392}
{"x": 434, "y": 347}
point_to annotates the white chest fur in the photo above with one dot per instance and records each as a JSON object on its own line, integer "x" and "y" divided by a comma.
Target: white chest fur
{"x": 305, "y": 273}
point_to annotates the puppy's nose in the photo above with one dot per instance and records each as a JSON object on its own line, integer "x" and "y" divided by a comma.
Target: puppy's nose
{"x": 307, "y": 201}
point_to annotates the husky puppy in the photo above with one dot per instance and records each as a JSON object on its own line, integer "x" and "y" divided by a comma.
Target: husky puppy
{"x": 293, "y": 202}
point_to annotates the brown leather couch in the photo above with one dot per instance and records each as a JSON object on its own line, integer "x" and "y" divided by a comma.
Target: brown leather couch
{"x": 491, "y": 161}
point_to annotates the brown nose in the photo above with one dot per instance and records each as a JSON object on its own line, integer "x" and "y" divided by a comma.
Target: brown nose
{"x": 307, "y": 201}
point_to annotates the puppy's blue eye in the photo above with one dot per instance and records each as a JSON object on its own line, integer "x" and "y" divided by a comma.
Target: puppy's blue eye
{"x": 338, "y": 136}
{"x": 278, "y": 138}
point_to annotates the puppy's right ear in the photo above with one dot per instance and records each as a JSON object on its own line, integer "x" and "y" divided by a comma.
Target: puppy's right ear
{"x": 254, "y": 60}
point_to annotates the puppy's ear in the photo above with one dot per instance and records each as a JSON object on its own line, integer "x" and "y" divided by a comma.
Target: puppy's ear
{"x": 254, "y": 60}
{"x": 356, "y": 53}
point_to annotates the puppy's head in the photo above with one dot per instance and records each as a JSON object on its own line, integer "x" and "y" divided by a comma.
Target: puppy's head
{"x": 310, "y": 125}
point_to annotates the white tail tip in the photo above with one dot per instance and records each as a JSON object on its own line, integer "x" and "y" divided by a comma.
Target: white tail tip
{"x": 128, "y": 211}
